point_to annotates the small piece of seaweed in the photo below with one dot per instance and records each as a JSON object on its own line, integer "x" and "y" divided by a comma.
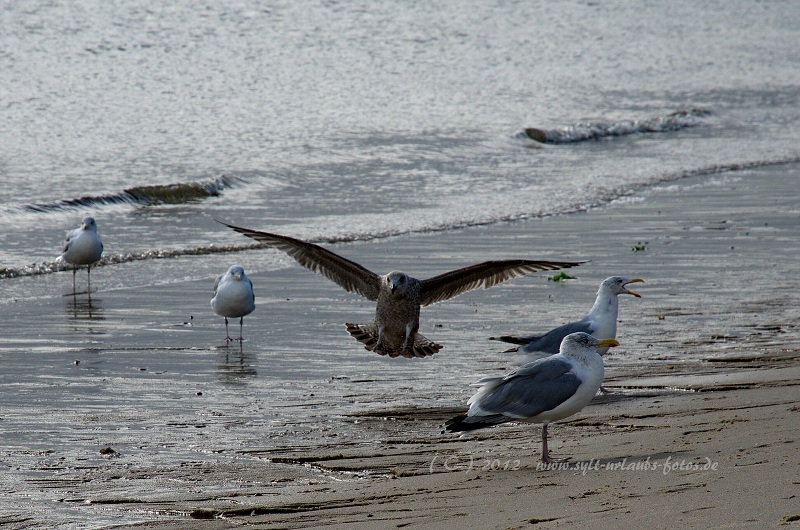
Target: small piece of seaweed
{"x": 560, "y": 277}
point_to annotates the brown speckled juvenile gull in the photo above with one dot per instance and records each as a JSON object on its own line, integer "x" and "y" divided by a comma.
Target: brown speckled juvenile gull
{"x": 398, "y": 295}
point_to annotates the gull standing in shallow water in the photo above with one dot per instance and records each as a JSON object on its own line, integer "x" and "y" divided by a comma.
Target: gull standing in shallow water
{"x": 83, "y": 247}
{"x": 543, "y": 391}
{"x": 233, "y": 297}
{"x": 398, "y": 295}
{"x": 601, "y": 321}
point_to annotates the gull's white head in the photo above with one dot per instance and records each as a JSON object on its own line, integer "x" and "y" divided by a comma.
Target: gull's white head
{"x": 88, "y": 223}
{"x": 237, "y": 272}
{"x": 616, "y": 285}
{"x": 397, "y": 281}
{"x": 577, "y": 342}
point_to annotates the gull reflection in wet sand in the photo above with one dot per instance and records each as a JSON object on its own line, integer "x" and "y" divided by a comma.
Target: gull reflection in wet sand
{"x": 85, "y": 311}
{"x": 236, "y": 366}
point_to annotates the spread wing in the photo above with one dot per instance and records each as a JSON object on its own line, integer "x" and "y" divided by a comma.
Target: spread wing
{"x": 487, "y": 274}
{"x": 347, "y": 274}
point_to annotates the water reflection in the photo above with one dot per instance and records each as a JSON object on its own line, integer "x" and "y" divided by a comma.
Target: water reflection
{"x": 88, "y": 308}
{"x": 83, "y": 312}
{"x": 236, "y": 366}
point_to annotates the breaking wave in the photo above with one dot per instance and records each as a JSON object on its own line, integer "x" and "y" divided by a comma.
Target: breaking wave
{"x": 178, "y": 193}
{"x": 580, "y": 132}
{"x": 47, "y": 267}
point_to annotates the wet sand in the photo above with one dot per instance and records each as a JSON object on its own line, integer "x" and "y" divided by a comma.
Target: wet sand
{"x": 701, "y": 430}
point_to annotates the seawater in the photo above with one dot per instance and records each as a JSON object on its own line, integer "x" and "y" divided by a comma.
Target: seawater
{"x": 357, "y": 121}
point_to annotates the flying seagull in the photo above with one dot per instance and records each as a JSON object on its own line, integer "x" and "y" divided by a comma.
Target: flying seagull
{"x": 546, "y": 390}
{"x": 600, "y": 321}
{"x": 82, "y": 247}
{"x": 233, "y": 297}
{"x": 398, "y": 295}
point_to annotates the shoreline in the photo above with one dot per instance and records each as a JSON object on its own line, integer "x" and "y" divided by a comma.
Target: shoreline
{"x": 707, "y": 375}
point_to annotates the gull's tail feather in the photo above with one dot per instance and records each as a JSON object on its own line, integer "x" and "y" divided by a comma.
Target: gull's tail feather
{"x": 462, "y": 422}
{"x": 422, "y": 347}
{"x": 513, "y": 339}
{"x": 367, "y": 334}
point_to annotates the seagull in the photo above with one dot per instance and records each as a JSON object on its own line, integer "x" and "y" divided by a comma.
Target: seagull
{"x": 398, "y": 295}
{"x": 233, "y": 297}
{"x": 82, "y": 247}
{"x": 600, "y": 321}
{"x": 546, "y": 390}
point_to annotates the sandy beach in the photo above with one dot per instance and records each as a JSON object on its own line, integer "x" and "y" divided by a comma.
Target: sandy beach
{"x": 700, "y": 431}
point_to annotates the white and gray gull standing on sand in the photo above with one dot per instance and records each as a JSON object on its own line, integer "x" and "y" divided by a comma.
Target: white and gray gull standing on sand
{"x": 600, "y": 321}
{"x": 543, "y": 391}
{"x": 233, "y": 297}
{"x": 82, "y": 247}
{"x": 398, "y": 295}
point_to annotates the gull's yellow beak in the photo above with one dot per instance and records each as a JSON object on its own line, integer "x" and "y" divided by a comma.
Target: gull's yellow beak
{"x": 635, "y": 280}
{"x": 608, "y": 343}
{"x": 238, "y": 277}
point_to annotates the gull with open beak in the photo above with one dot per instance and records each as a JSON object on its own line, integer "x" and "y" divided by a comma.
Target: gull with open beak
{"x": 600, "y": 321}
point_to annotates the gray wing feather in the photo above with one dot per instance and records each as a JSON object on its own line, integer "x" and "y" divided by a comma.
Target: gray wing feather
{"x": 550, "y": 342}
{"x": 347, "y": 274}
{"x": 216, "y": 283}
{"x": 486, "y": 274}
{"x": 72, "y": 234}
{"x": 530, "y": 390}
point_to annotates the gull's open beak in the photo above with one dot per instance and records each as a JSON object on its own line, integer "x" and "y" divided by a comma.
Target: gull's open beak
{"x": 608, "y": 343}
{"x": 635, "y": 280}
